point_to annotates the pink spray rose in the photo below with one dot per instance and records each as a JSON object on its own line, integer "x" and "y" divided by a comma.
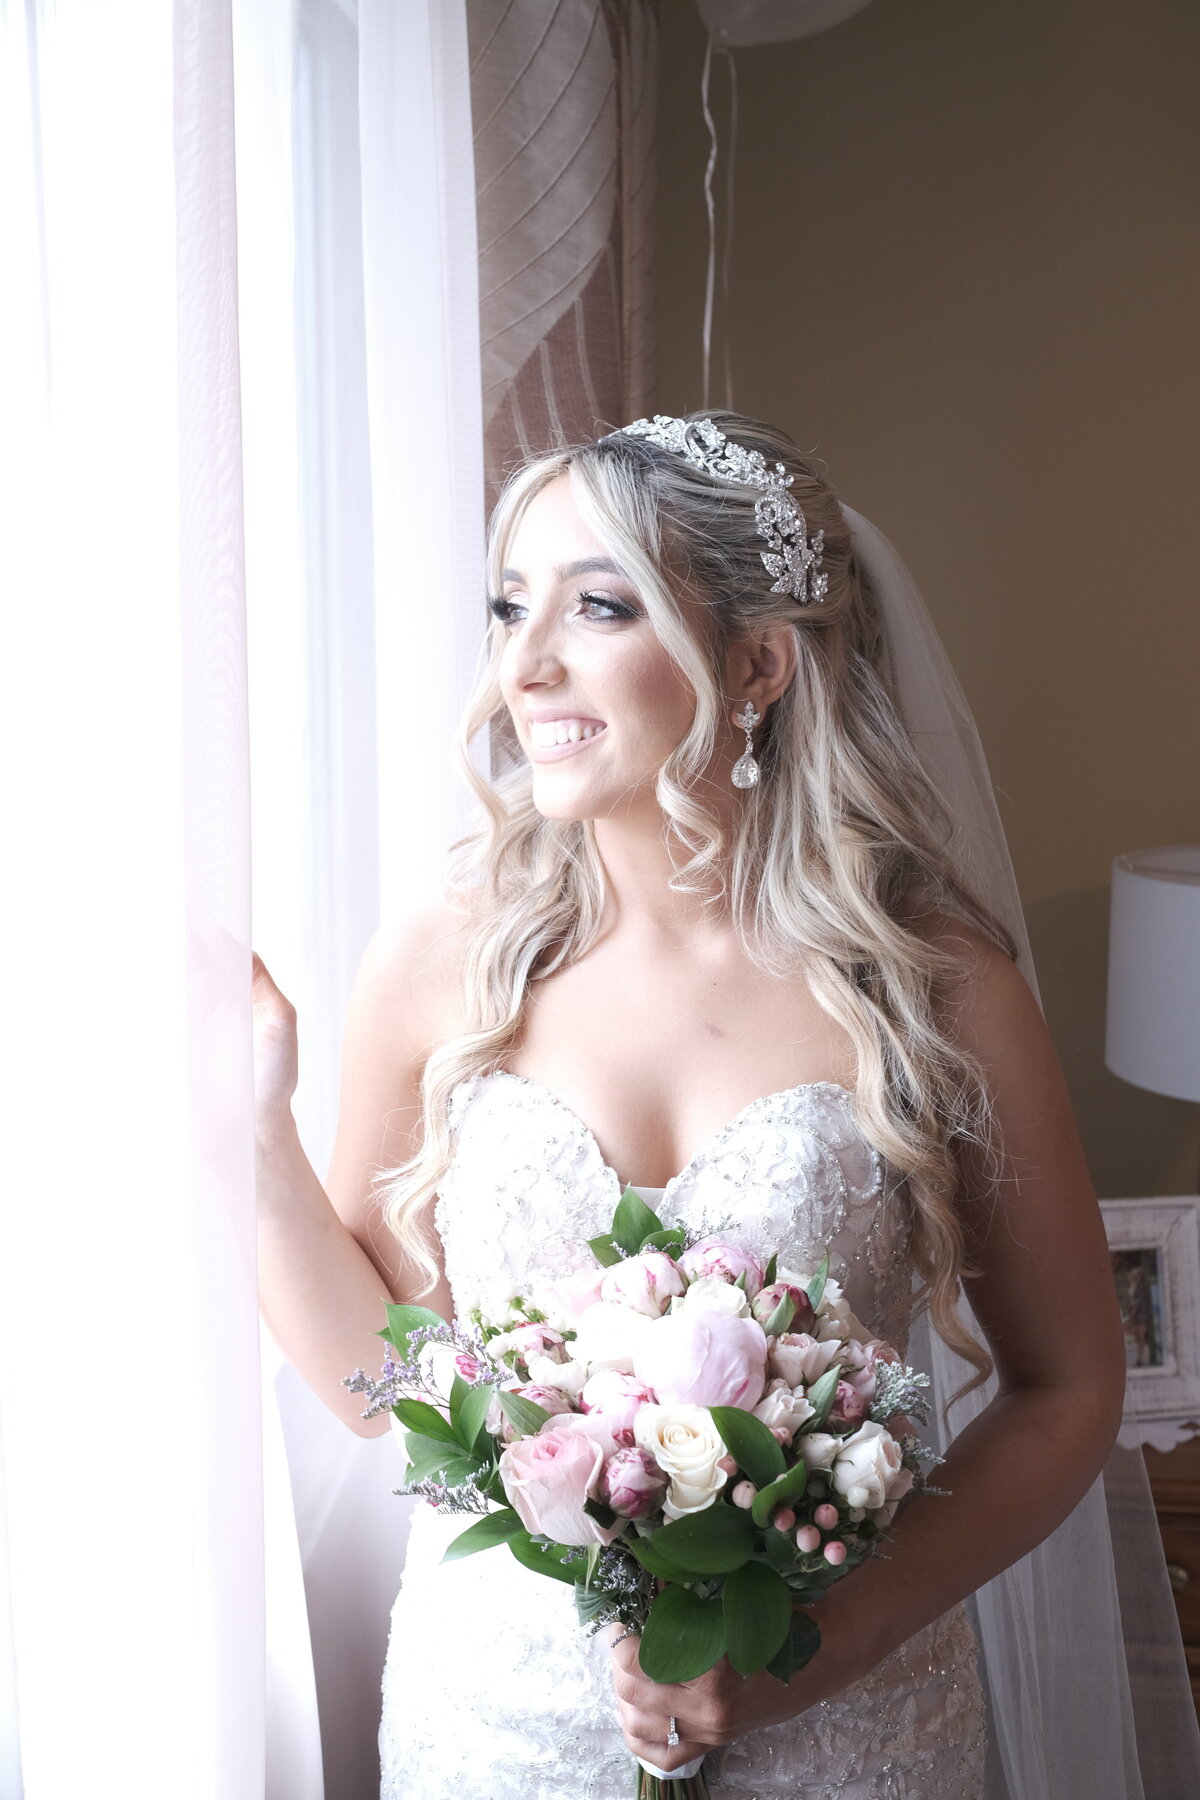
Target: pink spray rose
{"x": 713, "y": 1256}
{"x": 768, "y": 1298}
{"x": 591, "y": 1425}
{"x": 646, "y": 1282}
{"x": 547, "y": 1479}
{"x": 617, "y": 1399}
{"x": 858, "y": 1366}
{"x": 632, "y": 1483}
{"x": 703, "y": 1359}
{"x": 795, "y": 1357}
{"x": 849, "y": 1407}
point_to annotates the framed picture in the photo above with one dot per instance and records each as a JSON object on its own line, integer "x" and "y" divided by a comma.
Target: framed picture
{"x": 1155, "y": 1251}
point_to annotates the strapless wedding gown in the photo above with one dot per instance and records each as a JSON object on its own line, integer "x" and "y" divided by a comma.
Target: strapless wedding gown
{"x": 491, "y": 1689}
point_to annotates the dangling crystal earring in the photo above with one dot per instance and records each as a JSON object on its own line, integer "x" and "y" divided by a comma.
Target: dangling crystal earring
{"x": 745, "y": 769}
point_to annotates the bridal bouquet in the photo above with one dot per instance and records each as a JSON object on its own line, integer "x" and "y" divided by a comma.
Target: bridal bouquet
{"x": 699, "y": 1444}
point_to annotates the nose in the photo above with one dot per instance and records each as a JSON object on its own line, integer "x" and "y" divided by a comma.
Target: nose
{"x": 535, "y": 653}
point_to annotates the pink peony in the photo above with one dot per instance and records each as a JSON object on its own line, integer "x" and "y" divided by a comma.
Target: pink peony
{"x": 537, "y": 1340}
{"x": 795, "y": 1358}
{"x": 551, "y": 1400}
{"x": 703, "y": 1359}
{"x": 714, "y": 1256}
{"x": 590, "y": 1425}
{"x": 632, "y": 1483}
{"x": 768, "y": 1298}
{"x": 617, "y": 1399}
{"x": 646, "y": 1282}
{"x": 547, "y": 1479}
{"x": 570, "y": 1295}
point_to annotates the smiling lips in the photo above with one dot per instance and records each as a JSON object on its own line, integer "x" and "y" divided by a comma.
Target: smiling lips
{"x": 562, "y": 735}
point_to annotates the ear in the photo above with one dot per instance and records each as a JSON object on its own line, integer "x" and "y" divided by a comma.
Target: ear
{"x": 760, "y": 668}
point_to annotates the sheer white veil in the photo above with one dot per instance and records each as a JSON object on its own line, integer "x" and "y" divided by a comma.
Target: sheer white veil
{"x": 1083, "y": 1665}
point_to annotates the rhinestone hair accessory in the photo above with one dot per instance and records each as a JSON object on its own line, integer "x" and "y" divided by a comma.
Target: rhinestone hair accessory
{"x": 792, "y": 557}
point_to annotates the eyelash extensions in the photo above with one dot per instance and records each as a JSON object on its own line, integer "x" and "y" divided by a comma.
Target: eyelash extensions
{"x": 503, "y": 608}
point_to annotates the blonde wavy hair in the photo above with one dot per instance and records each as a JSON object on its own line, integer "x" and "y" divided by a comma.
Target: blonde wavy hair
{"x": 835, "y": 857}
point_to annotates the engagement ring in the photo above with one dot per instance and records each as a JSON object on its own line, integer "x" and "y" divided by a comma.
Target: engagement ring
{"x": 672, "y": 1734}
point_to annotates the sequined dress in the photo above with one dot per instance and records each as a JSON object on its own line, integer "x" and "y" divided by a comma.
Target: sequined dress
{"x": 491, "y": 1689}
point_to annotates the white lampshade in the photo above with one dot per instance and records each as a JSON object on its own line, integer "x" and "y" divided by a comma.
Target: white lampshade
{"x": 1153, "y": 1037}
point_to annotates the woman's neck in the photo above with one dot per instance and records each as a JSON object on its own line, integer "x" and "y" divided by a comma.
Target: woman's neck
{"x": 640, "y": 900}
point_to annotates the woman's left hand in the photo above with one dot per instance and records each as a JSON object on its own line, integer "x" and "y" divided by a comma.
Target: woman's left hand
{"x": 716, "y": 1707}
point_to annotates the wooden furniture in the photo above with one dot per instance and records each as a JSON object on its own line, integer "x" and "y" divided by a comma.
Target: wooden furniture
{"x": 1175, "y": 1484}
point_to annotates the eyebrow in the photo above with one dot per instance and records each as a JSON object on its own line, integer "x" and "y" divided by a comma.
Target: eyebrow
{"x": 565, "y": 571}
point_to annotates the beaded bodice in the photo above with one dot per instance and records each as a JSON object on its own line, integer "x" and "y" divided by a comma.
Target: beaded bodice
{"x": 791, "y": 1172}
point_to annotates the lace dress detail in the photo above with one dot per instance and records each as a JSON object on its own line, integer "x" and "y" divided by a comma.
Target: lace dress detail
{"x": 491, "y": 1687}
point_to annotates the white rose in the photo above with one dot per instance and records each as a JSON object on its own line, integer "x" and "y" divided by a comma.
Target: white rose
{"x": 869, "y": 1467}
{"x": 608, "y": 1335}
{"x": 795, "y": 1357}
{"x": 818, "y": 1448}
{"x": 687, "y": 1447}
{"x": 780, "y": 1406}
{"x": 834, "y": 1317}
{"x": 711, "y": 1294}
{"x": 545, "y": 1372}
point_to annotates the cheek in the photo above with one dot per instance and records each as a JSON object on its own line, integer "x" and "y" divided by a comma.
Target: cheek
{"x": 656, "y": 700}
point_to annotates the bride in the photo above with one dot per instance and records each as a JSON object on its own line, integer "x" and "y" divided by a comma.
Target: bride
{"x": 713, "y": 939}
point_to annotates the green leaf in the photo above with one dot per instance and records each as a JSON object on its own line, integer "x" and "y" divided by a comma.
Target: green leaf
{"x": 471, "y": 1416}
{"x": 683, "y": 1637}
{"x": 780, "y": 1547}
{"x": 633, "y": 1221}
{"x": 403, "y": 1319}
{"x": 496, "y": 1528}
{"x": 590, "y": 1602}
{"x": 604, "y": 1251}
{"x": 799, "y": 1647}
{"x": 525, "y": 1416}
{"x": 671, "y": 1240}
{"x": 427, "y": 1456}
{"x": 711, "y": 1542}
{"x": 593, "y": 1558}
{"x": 769, "y": 1277}
{"x": 789, "y": 1485}
{"x": 543, "y": 1559}
{"x": 749, "y": 1443}
{"x": 821, "y": 1396}
{"x": 650, "y": 1557}
{"x": 458, "y": 1393}
{"x": 816, "y": 1286}
{"x": 419, "y": 1416}
{"x": 781, "y": 1318}
{"x": 758, "y": 1616}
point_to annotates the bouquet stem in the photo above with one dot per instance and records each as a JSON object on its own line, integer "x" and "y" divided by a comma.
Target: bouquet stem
{"x": 651, "y": 1787}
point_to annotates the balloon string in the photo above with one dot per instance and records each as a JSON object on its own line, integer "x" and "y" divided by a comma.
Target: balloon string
{"x": 711, "y": 209}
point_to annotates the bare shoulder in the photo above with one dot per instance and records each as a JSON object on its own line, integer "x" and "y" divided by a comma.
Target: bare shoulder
{"x": 986, "y": 1003}
{"x": 409, "y": 981}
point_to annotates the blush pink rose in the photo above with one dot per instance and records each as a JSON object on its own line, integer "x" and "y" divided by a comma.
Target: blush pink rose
{"x": 703, "y": 1359}
{"x": 714, "y": 1256}
{"x": 632, "y": 1483}
{"x": 592, "y": 1425}
{"x": 646, "y": 1282}
{"x": 617, "y": 1399}
{"x": 547, "y": 1479}
{"x": 796, "y": 1357}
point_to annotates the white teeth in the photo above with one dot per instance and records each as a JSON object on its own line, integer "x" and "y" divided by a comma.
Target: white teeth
{"x": 544, "y": 735}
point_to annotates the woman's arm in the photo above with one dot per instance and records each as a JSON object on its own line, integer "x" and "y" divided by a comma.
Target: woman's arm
{"x": 1046, "y": 1303}
{"x": 326, "y": 1263}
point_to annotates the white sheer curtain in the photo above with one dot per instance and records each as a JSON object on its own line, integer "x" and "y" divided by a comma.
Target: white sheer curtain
{"x": 129, "y": 1382}
{"x": 146, "y": 1597}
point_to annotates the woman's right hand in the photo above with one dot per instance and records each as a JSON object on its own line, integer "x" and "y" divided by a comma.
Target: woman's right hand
{"x": 276, "y": 1056}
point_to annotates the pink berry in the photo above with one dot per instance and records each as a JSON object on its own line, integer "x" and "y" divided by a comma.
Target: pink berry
{"x": 835, "y": 1552}
{"x": 783, "y": 1518}
{"x": 826, "y": 1516}
{"x": 727, "y": 1465}
{"x": 781, "y": 1434}
{"x": 808, "y": 1539}
{"x": 744, "y": 1495}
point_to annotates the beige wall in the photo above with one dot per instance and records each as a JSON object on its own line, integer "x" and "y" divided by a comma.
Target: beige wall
{"x": 967, "y": 271}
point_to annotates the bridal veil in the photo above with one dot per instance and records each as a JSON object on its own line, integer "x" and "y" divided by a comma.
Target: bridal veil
{"x": 1083, "y": 1665}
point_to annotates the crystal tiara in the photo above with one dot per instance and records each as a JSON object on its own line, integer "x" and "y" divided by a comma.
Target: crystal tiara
{"x": 793, "y": 558}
